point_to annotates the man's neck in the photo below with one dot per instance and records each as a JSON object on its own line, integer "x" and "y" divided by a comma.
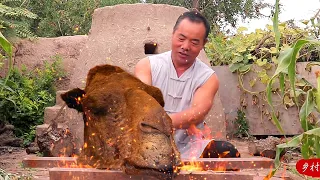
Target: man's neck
{"x": 181, "y": 68}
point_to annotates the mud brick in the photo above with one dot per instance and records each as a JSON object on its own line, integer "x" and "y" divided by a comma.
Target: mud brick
{"x": 49, "y": 162}
{"x": 51, "y": 112}
{"x": 214, "y": 164}
{"x": 222, "y": 164}
{"x": 59, "y": 101}
{"x": 87, "y": 173}
{"x": 43, "y": 127}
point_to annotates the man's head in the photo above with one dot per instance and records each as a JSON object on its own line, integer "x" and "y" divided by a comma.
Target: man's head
{"x": 190, "y": 34}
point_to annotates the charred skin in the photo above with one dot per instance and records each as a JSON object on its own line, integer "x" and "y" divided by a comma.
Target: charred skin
{"x": 125, "y": 124}
{"x": 220, "y": 149}
{"x": 73, "y": 98}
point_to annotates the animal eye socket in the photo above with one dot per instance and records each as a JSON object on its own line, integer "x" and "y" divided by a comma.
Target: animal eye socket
{"x": 148, "y": 128}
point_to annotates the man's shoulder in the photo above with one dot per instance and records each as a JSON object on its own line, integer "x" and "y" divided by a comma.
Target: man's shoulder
{"x": 160, "y": 55}
{"x": 202, "y": 66}
{"x": 162, "y": 58}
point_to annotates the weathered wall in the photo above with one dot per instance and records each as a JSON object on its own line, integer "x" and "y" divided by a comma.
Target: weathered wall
{"x": 32, "y": 54}
{"x": 118, "y": 35}
{"x": 258, "y": 113}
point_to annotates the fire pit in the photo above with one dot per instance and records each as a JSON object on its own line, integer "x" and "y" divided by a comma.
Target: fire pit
{"x": 128, "y": 135}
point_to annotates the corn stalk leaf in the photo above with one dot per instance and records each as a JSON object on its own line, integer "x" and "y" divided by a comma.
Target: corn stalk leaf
{"x": 292, "y": 65}
{"x": 281, "y": 81}
{"x": 295, "y": 142}
{"x": 305, "y": 110}
{"x": 305, "y": 147}
{"x": 7, "y": 47}
{"x": 317, "y": 146}
{"x": 276, "y": 25}
{"x": 5, "y": 44}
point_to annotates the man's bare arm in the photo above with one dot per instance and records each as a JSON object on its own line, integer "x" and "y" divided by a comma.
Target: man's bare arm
{"x": 201, "y": 104}
{"x": 143, "y": 71}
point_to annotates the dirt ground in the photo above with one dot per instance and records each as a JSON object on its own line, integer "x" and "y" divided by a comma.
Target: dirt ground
{"x": 11, "y": 161}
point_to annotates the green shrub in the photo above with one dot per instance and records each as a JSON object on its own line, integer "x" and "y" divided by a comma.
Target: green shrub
{"x": 25, "y": 96}
{"x": 62, "y": 18}
{"x": 242, "y": 125}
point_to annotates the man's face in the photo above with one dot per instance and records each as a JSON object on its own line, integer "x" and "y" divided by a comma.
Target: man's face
{"x": 187, "y": 41}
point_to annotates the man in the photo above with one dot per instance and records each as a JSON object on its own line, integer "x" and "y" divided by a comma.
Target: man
{"x": 187, "y": 84}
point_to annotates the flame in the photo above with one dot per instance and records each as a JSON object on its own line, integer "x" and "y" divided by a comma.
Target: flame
{"x": 78, "y": 100}
{"x": 193, "y": 166}
{"x": 269, "y": 175}
{"x": 224, "y": 154}
{"x": 317, "y": 73}
{"x": 283, "y": 176}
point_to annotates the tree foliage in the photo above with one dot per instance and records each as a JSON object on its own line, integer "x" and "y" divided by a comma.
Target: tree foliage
{"x": 15, "y": 19}
{"x": 220, "y": 12}
{"x": 66, "y": 18}
{"x": 73, "y": 17}
{"x": 62, "y": 18}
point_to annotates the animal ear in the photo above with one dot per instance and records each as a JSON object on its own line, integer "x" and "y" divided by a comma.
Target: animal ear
{"x": 73, "y": 98}
{"x": 155, "y": 93}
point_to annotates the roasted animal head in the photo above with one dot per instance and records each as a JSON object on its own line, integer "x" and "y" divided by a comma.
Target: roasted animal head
{"x": 125, "y": 124}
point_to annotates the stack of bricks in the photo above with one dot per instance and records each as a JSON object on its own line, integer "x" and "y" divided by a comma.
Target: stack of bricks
{"x": 212, "y": 168}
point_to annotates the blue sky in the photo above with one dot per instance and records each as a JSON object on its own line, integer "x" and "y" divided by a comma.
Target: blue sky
{"x": 291, "y": 9}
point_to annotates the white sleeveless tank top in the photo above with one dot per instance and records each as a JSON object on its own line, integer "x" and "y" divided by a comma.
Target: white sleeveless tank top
{"x": 178, "y": 93}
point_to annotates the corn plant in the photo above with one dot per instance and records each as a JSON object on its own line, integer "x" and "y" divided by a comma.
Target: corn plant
{"x": 7, "y": 48}
{"x": 310, "y": 139}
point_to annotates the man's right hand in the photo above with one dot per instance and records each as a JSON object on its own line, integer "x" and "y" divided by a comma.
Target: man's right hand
{"x": 193, "y": 130}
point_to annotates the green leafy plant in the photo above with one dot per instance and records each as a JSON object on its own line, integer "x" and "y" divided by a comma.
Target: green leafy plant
{"x": 28, "y": 137}
{"x": 25, "y": 96}
{"x": 15, "y": 19}
{"x": 242, "y": 125}
{"x": 6, "y": 46}
{"x": 9, "y": 176}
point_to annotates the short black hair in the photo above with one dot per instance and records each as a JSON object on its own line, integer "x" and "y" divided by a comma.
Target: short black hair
{"x": 193, "y": 16}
